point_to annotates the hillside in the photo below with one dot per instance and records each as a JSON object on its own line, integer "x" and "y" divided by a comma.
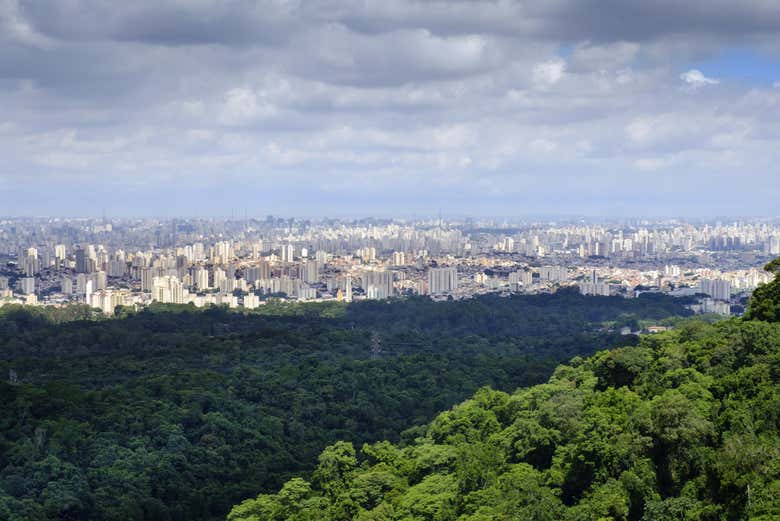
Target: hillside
{"x": 176, "y": 414}
{"x": 683, "y": 426}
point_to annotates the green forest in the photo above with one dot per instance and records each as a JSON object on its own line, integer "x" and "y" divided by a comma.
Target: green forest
{"x": 177, "y": 414}
{"x": 680, "y": 426}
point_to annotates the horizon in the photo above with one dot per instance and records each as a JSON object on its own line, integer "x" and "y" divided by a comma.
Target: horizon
{"x": 400, "y": 218}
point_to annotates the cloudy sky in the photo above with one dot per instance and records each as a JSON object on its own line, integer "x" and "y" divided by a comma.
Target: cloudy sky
{"x": 361, "y": 107}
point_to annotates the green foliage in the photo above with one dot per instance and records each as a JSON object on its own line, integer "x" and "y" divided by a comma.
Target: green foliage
{"x": 685, "y": 426}
{"x": 765, "y": 302}
{"x": 176, "y": 414}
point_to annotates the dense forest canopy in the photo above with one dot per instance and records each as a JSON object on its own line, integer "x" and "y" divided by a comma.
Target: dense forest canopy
{"x": 682, "y": 426}
{"x": 177, "y": 414}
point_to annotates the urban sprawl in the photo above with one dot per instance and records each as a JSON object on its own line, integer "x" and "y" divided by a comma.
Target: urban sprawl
{"x": 243, "y": 263}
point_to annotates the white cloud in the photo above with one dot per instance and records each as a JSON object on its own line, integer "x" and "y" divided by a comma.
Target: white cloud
{"x": 541, "y": 145}
{"x": 242, "y": 106}
{"x": 549, "y": 73}
{"x": 652, "y": 164}
{"x": 696, "y": 79}
{"x": 641, "y": 130}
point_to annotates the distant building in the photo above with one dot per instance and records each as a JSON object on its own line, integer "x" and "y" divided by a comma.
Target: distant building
{"x": 201, "y": 279}
{"x": 310, "y": 271}
{"x": 595, "y": 287}
{"x": 66, "y": 286}
{"x": 287, "y": 253}
{"x": 716, "y": 288}
{"x": 442, "y": 280}
{"x": 27, "y": 285}
{"x": 377, "y": 284}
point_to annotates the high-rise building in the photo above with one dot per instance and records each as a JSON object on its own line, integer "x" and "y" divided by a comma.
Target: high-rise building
{"x": 85, "y": 263}
{"x": 264, "y": 270}
{"x": 88, "y": 290}
{"x": 201, "y": 279}
{"x": 288, "y": 253}
{"x": 198, "y": 252}
{"x": 594, "y": 287}
{"x": 98, "y": 280}
{"x": 220, "y": 279}
{"x": 27, "y": 285}
{"x": 716, "y": 288}
{"x": 310, "y": 271}
{"x": 31, "y": 265}
{"x": 224, "y": 251}
{"x": 66, "y": 286}
{"x": 552, "y": 273}
{"x": 520, "y": 278}
{"x": 348, "y": 289}
{"x": 251, "y": 301}
{"x": 442, "y": 280}
{"x": 377, "y": 284}
{"x": 168, "y": 289}
{"x": 60, "y": 252}
{"x": 367, "y": 254}
{"x": 147, "y": 279}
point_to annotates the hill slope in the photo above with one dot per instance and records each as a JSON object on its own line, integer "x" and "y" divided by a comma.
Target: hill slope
{"x": 683, "y": 426}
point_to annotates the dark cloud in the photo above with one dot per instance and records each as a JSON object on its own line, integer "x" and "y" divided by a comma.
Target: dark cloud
{"x": 244, "y": 22}
{"x": 237, "y": 22}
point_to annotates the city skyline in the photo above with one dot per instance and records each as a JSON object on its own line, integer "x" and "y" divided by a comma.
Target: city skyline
{"x": 110, "y": 263}
{"x": 403, "y": 107}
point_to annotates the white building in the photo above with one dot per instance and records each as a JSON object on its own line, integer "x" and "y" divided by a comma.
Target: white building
{"x": 378, "y": 284}
{"x": 716, "y": 288}
{"x": 442, "y": 280}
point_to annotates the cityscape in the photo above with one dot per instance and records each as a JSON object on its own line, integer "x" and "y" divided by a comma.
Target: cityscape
{"x": 395, "y": 260}
{"x": 107, "y": 263}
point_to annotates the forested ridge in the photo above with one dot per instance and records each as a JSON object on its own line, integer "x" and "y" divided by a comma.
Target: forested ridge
{"x": 177, "y": 414}
{"x": 684, "y": 426}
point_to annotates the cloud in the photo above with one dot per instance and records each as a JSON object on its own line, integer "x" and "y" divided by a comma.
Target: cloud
{"x": 416, "y": 97}
{"x": 652, "y": 164}
{"x": 17, "y": 29}
{"x": 696, "y": 79}
{"x": 549, "y": 73}
{"x": 242, "y": 106}
{"x": 606, "y": 57}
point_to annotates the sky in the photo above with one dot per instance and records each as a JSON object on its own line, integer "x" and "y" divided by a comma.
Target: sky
{"x": 179, "y": 108}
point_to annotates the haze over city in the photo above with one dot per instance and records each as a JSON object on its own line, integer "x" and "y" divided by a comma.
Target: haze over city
{"x": 394, "y": 108}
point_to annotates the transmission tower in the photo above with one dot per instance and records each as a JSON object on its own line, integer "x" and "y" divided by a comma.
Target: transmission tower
{"x": 376, "y": 345}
